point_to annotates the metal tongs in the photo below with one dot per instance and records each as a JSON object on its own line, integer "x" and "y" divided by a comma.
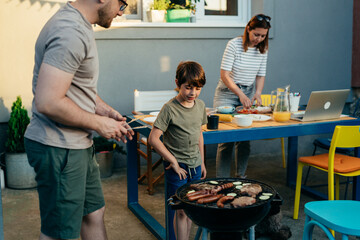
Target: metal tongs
{"x": 139, "y": 127}
{"x": 135, "y": 119}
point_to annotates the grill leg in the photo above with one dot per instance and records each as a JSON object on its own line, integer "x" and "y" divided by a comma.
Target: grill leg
{"x": 226, "y": 235}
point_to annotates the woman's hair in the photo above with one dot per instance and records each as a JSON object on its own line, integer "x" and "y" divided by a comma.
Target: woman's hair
{"x": 257, "y": 21}
{"x": 190, "y": 72}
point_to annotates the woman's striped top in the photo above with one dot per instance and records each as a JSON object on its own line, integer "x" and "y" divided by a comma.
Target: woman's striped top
{"x": 244, "y": 66}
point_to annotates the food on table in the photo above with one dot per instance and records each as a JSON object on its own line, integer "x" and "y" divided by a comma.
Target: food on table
{"x": 281, "y": 116}
{"x": 222, "y": 200}
{"x": 253, "y": 110}
{"x": 224, "y": 117}
{"x": 210, "y": 199}
{"x": 248, "y": 111}
{"x": 243, "y": 201}
{"x": 251, "y": 190}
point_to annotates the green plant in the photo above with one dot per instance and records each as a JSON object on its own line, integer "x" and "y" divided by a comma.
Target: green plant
{"x": 188, "y": 5}
{"x": 102, "y": 144}
{"x": 17, "y": 124}
{"x": 160, "y": 5}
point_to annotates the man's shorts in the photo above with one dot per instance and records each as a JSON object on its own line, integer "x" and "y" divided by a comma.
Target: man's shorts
{"x": 69, "y": 187}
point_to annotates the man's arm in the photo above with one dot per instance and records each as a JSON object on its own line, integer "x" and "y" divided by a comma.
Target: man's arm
{"x": 51, "y": 100}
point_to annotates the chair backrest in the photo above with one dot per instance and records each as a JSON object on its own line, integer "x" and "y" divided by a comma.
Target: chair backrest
{"x": 266, "y": 99}
{"x": 151, "y": 100}
{"x": 345, "y": 137}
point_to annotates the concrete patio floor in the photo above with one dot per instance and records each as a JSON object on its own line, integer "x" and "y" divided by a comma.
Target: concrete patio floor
{"x": 22, "y": 222}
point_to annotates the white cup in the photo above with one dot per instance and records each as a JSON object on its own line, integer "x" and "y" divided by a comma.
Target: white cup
{"x": 294, "y": 103}
{"x": 243, "y": 120}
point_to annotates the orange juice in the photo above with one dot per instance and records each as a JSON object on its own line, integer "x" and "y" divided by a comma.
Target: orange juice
{"x": 281, "y": 116}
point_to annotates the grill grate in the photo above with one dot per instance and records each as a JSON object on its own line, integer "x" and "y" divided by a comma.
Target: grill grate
{"x": 183, "y": 190}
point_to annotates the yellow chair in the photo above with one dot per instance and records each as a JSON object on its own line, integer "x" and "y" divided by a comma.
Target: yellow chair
{"x": 267, "y": 100}
{"x": 332, "y": 163}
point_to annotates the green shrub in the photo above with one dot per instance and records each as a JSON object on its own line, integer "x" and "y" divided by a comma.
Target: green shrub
{"x": 160, "y": 5}
{"x": 17, "y": 124}
{"x": 102, "y": 144}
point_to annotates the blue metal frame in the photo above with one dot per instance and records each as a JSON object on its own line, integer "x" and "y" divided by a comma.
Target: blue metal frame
{"x": 292, "y": 132}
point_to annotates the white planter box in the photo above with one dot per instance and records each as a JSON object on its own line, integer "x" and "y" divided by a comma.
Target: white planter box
{"x": 156, "y": 15}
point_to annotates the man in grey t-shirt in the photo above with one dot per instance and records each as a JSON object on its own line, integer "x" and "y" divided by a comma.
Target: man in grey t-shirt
{"x": 66, "y": 109}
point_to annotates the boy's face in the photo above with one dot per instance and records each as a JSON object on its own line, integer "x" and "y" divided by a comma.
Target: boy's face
{"x": 189, "y": 93}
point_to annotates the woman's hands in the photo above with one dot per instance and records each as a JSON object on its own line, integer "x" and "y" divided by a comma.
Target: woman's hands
{"x": 245, "y": 101}
{"x": 180, "y": 171}
{"x": 257, "y": 97}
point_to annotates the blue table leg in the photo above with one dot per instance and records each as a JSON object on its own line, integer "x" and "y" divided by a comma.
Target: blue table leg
{"x": 292, "y": 161}
{"x": 1, "y": 216}
{"x": 132, "y": 188}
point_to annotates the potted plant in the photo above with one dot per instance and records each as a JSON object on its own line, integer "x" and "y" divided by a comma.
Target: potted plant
{"x": 104, "y": 151}
{"x": 157, "y": 10}
{"x": 180, "y": 13}
{"x": 19, "y": 173}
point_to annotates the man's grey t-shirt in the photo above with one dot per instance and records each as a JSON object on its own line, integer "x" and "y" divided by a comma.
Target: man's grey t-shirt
{"x": 66, "y": 42}
{"x": 181, "y": 127}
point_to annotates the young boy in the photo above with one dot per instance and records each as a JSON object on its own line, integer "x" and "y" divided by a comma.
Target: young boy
{"x": 180, "y": 121}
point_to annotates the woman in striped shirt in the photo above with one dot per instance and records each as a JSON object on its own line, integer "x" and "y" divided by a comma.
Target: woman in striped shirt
{"x": 242, "y": 78}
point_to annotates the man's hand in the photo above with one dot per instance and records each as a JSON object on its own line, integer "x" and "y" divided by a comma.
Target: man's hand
{"x": 110, "y": 128}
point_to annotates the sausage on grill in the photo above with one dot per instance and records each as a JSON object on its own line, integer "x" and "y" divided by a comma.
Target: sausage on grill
{"x": 209, "y": 199}
{"x": 221, "y": 201}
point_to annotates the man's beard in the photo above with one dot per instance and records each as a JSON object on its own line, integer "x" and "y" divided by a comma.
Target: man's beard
{"x": 104, "y": 18}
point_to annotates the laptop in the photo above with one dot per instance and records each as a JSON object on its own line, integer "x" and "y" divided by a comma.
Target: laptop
{"x": 323, "y": 105}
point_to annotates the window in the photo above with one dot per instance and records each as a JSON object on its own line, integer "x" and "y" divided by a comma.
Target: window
{"x": 223, "y": 11}
{"x": 207, "y": 11}
{"x": 133, "y": 11}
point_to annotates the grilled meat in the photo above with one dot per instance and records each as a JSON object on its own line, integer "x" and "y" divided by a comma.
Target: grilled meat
{"x": 243, "y": 201}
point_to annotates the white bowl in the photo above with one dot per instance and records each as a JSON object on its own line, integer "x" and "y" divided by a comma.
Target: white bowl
{"x": 243, "y": 120}
{"x": 225, "y": 109}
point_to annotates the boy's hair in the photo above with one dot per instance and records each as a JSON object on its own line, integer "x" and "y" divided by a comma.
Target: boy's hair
{"x": 190, "y": 72}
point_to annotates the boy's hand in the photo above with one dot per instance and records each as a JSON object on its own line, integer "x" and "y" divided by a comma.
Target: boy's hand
{"x": 203, "y": 171}
{"x": 180, "y": 171}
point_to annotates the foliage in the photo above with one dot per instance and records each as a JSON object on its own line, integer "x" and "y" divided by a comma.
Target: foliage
{"x": 102, "y": 144}
{"x": 160, "y": 5}
{"x": 17, "y": 124}
{"x": 189, "y": 5}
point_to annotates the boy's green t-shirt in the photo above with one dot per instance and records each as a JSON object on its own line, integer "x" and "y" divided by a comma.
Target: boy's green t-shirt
{"x": 181, "y": 127}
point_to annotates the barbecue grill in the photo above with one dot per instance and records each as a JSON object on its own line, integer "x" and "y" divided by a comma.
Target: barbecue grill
{"x": 228, "y": 222}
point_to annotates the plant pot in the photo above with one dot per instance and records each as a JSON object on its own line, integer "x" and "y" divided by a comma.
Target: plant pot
{"x": 156, "y": 15}
{"x": 105, "y": 161}
{"x": 19, "y": 173}
{"x": 178, "y": 15}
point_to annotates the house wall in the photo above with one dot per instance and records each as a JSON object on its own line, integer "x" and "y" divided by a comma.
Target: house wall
{"x": 310, "y": 48}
